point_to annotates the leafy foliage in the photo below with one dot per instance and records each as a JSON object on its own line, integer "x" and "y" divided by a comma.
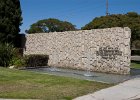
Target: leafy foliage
{"x": 136, "y": 44}
{"x": 50, "y": 25}
{"x": 18, "y": 61}
{"x": 10, "y": 20}
{"x": 36, "y": 60}
{"x": 131, "y": 20}
{"x": 135, "y": 52}
{"x": 7, "y": 52}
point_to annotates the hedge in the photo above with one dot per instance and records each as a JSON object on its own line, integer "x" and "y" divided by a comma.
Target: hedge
{"x": 36, "y": 60}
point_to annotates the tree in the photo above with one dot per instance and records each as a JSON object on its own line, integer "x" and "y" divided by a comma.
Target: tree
{"x": 10, "y": 20}
{"x": 50, "y": 25}
{"x": 131, "y": 20}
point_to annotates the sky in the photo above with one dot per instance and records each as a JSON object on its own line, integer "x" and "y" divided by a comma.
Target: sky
{"x": 78, "y": 12}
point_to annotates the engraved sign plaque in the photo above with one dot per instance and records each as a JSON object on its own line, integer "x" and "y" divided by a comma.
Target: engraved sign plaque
{"x": 109, "y": 52}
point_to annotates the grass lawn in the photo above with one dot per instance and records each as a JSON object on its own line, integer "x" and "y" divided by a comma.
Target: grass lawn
{"x": 135, "y": 65}
{"x": 30, "y": 85}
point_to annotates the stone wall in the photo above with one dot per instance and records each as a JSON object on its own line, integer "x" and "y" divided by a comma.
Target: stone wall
{"x": 103, "y": 50}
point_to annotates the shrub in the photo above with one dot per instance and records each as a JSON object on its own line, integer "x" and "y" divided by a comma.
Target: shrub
{"x": 135, "y": 52}
{"x": 18, "y": 62}
{"x": 36, "y": 60}
{"x": 7, "y": 52}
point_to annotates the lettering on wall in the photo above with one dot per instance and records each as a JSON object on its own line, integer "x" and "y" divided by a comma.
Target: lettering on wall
{"x": 109, "y": 52}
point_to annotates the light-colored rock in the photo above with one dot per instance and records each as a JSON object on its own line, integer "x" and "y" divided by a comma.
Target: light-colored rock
{"x": 11, "y": 67}
{"x": 79, "y": 49}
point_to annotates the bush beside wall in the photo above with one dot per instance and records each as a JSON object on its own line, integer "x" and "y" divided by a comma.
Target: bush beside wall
{"x": 36, "y": 60}
{"x": 135, "y": 52}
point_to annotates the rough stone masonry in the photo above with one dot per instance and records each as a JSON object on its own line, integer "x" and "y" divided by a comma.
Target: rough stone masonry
{"x": 102, "y": 50}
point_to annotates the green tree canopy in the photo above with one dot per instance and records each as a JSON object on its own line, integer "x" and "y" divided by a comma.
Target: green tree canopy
{"x": 10, "y": 20}
{"x": 131, "y": 20}
{"x": 50, "y": 25}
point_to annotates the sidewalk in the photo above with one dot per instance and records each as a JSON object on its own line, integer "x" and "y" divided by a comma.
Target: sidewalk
{"x": 128, "y": 90}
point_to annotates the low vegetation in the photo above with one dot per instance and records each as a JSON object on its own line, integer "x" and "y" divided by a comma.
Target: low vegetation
{"x": 135, "y": 65}
{"x": 7, "y": 53}
{"x": 36, "y": 60}
{"x": 9, "y": 56}
{"x": 31, "y": 85}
